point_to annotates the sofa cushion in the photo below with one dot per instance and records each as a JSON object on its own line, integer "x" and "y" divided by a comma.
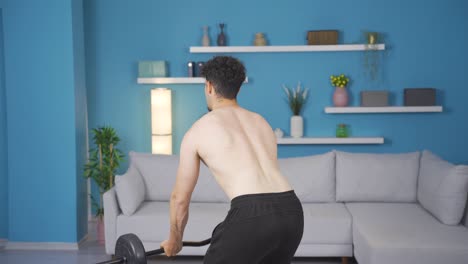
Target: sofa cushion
{"x": 404, "y": 233}
{"x": 151, "y": 221}
{"x": 159, "y": 174}
{"x": 442, "y": 188}
{"x": 376, "y": 177}
{"x": 312, "y": 177}
{"x": 130, "y": 191}
{"x": 326, "y": 223}
{"x": 207, "y": 189}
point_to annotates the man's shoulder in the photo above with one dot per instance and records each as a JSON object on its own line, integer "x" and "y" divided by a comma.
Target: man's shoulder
{"x": 212, "y": 119}
{"x": 199, "y": 125}
{"x": 257, "y": 117}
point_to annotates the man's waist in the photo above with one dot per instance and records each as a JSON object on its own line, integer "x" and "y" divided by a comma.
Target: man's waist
{"x": 265, "y": 198}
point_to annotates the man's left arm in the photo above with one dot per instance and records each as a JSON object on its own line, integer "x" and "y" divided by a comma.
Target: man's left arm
{"x": 187, "y": 176}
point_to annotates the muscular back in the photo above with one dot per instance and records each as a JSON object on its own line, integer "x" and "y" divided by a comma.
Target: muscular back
{"x": 239, "y": 147}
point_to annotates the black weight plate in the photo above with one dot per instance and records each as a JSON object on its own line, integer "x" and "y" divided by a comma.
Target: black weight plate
{"x": 130, "y": 247}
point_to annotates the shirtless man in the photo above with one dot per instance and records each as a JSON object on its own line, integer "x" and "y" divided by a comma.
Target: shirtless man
{"x": 265, "y": 222}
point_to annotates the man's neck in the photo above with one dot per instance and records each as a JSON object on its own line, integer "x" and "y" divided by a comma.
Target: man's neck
{"x": 225, "y": 103}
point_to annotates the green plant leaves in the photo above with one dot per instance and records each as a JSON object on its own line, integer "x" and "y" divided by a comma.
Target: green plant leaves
{"x": 296, "y": 98}
{"x": 104, "y": 160}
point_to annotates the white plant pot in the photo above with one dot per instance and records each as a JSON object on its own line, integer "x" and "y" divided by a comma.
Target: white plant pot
{"x": 297, "y": 126}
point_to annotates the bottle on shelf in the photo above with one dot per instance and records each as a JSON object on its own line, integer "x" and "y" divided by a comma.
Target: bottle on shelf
{"x": 190, "y": 67}
{"x": 206, "y": 37}
{"x": 200, "y": 65}
{"x": 221, "y": 37}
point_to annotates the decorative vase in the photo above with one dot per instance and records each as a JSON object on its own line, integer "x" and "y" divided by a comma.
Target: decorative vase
{"x": 100, "y": 230}
{"x": 340, "y": 97}
{"x": 297, "y": 126}
{"x": 206, "y": 37}
{"x": 260, "y": 40}
{"x": 221, "y": 37}
{"x": 372, "y": 38}
{"x": 279, "y": 133}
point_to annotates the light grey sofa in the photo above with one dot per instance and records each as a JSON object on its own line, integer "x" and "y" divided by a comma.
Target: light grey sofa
{"x": 379, "y": 208}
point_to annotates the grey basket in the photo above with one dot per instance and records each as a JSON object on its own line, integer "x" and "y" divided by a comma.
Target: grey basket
{"x": 420, "y": 96}
{"x": 374, "y": 98}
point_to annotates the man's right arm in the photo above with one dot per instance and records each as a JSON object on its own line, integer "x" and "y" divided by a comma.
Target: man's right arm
{"x": 187, "y": 176}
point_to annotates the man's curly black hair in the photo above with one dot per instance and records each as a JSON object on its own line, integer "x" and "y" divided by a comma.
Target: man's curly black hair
{"x": 226, "y": 74}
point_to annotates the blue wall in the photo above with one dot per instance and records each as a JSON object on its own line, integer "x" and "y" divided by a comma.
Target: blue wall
{"x": 80, "y": 116}
{"x": 3, "y": 144}
{"x": 45, "y": 90}
{"x": 427, "y": 43}
{"x": 46, "y": 112}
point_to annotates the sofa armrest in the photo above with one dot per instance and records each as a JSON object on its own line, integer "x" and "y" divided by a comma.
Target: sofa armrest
{"x": 465, "y": 218}
{"x": 111, "y": 211}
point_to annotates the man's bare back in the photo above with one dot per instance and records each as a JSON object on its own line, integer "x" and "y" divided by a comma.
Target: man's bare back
{"x": 239, "y": 147}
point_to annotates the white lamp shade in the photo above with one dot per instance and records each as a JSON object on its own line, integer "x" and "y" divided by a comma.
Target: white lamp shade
{"x": 161, "y": 111}
{"x": 161, "y": 121}
{"x": 162, "y": 144}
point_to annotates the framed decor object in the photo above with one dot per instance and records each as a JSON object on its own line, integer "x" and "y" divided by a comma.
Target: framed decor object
{"x": 322, "y": 37}
{"x": 149, "y": 69}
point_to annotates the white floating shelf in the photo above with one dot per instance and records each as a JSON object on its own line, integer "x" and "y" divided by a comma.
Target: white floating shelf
{"x": 302, "y": 48}
{"x": 385, "y": 109}
{"x": 330, "y": 140}
{"x": 175, "y": 80}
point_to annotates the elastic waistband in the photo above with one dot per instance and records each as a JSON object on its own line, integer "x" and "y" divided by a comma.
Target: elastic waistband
{"x": 261, "y": 197}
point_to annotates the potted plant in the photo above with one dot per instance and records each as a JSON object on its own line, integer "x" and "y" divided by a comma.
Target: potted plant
{"x": 340, "y": 96}
{"x": 296, "y": 99}
{"x": 372, "y": 57}
{"x": 102, "y": 165}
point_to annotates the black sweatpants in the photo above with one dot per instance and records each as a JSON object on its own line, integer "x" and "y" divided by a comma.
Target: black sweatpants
{"x": 259, "y": 228}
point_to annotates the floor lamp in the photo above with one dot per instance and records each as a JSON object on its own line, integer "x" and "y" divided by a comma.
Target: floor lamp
{"x": 161, "y": 121}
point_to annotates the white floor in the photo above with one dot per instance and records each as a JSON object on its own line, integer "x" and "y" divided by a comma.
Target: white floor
{"x": 91, "y": 252}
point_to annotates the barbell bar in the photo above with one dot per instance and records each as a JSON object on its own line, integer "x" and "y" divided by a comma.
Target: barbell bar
{"x": 130, "y": 250}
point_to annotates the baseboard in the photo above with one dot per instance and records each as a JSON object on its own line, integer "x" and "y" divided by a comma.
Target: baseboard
{"x": 41, "y": 246}
{"x": 3, "y": 243}
{"x": 83, "y": 240}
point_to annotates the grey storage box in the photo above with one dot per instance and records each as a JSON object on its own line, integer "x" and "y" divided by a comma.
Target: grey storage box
{"x": 374, "y": 98}
{"x": 420, "y": 96}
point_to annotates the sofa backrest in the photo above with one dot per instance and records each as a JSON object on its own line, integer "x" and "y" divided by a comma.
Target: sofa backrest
{"x": 362, "y": 177}
{"x": 442, "y": 188}
{"x": 159, "y": 174}
{"x": 312, "y": 177}
{"x": 207, "y": 189}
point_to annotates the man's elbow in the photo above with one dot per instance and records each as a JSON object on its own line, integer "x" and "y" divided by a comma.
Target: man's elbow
{"x": 180, "y": 199}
